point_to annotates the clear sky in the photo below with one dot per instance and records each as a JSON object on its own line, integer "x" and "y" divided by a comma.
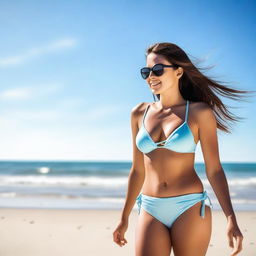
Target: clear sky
{"x": 69, "y": 72}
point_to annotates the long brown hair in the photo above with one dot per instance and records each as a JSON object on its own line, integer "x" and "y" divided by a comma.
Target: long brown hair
{"x": 195, "y": 86}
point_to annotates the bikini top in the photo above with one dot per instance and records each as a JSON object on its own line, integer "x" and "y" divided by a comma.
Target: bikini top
{"x": 180, "y": 140}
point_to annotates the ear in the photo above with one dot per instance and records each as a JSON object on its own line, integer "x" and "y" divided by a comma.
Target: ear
{"x": 179, "y": 72}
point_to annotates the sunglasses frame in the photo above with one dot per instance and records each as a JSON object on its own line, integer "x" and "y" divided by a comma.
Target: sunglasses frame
{"x": 152, "y": 69}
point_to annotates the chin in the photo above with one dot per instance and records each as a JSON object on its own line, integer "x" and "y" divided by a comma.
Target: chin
{"x": 156, "y": 91}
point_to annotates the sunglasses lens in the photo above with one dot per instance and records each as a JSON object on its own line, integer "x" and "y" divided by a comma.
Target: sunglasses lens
{"x": 145, "y": 72}
{"x": 158, "y": 69}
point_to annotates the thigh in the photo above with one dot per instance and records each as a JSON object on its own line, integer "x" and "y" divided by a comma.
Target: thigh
{"x": 152, "y": 237}
{"x": 190, "y": 233}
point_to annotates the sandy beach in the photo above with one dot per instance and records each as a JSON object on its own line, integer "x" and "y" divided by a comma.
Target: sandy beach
{"x": 43, "y": 232}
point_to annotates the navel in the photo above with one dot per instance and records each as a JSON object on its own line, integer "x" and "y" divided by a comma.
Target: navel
{"x": 165, "y": 184}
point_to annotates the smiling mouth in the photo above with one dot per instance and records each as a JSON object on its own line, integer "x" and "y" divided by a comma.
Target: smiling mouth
{"x": 154, "y": 85}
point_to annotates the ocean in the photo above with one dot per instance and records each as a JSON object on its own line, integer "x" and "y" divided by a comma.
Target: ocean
{"x": 100, "y": 185}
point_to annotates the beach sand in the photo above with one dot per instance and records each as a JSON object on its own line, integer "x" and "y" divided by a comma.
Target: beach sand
{"x": 37, "y": 232}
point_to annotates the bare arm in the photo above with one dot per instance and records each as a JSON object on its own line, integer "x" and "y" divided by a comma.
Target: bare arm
{"x": 137, "y": 172}
{"x": 135, "y": 179}
{"x": 214, "y": 171}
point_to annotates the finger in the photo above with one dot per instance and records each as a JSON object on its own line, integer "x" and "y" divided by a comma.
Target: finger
{"x": 230, "y": 241}
{"x": 115, "y": 234}
{"x": 238, "y": 245}
{"x": 235, "y": 245}
{"x": 239, "y": 240}
{"x": 122, "y": 240}
{"x": 114, "y": 237}
{"x": 234, "y": 253}
{"x": 117, "y": 238}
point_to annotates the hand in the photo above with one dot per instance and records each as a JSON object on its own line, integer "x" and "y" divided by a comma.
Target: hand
{"x": 118, "y": 234}
{"x": 234, "y": 231}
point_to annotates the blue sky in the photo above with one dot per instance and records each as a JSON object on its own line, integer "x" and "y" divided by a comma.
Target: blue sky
{"x": 69, "y": 72}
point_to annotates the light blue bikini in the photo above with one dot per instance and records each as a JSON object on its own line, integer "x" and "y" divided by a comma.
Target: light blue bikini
{"x": 168, "y": 209}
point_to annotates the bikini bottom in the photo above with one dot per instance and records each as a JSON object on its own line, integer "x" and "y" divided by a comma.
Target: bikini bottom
{"x": 168, "y": 209}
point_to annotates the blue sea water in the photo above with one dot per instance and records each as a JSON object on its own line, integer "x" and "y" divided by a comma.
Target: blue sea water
{"x": 100, "y": 185}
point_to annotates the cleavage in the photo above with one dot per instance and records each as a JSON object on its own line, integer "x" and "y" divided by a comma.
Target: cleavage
{"x": 163, "y": 122}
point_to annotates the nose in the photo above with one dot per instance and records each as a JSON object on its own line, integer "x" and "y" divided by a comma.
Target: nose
{"x": 150, "y": 73}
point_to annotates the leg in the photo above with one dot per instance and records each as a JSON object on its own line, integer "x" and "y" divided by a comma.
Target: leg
{"x": 190, "y": 233}
{"x": 152, "y": 237}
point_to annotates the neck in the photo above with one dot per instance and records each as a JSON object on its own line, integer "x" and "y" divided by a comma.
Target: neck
{"x": 170, "y": 99}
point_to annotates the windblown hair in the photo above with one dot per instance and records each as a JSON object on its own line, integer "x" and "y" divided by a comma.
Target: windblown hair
{"x": 195, "y": 86}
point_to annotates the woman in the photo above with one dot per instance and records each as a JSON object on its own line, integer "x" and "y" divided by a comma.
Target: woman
{"x": 172, "y": 209}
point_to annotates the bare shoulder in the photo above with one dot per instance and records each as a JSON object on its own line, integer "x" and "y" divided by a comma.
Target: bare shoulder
{"x": 137, "y": 113}
{"x": 201, "y": 111}
{"x": 199, "y": 105}
{"x": 138, "y": 110}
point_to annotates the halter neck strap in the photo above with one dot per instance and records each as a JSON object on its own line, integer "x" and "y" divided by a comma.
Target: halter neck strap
{"x": 187, "y": 106}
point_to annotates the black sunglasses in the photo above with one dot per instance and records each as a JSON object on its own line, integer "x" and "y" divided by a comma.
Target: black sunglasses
{"x": 157, "y": 69}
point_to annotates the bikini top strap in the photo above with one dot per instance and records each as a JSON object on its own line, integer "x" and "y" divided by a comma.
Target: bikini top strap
{"x": 145, "y": 112}
{"x": 187, "y": 106}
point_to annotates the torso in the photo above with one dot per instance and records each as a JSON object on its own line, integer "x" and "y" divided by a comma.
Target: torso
{"x": 169, "y": 173}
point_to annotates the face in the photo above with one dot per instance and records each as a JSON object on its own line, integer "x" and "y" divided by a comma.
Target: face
{"x": 169, "y": 79}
